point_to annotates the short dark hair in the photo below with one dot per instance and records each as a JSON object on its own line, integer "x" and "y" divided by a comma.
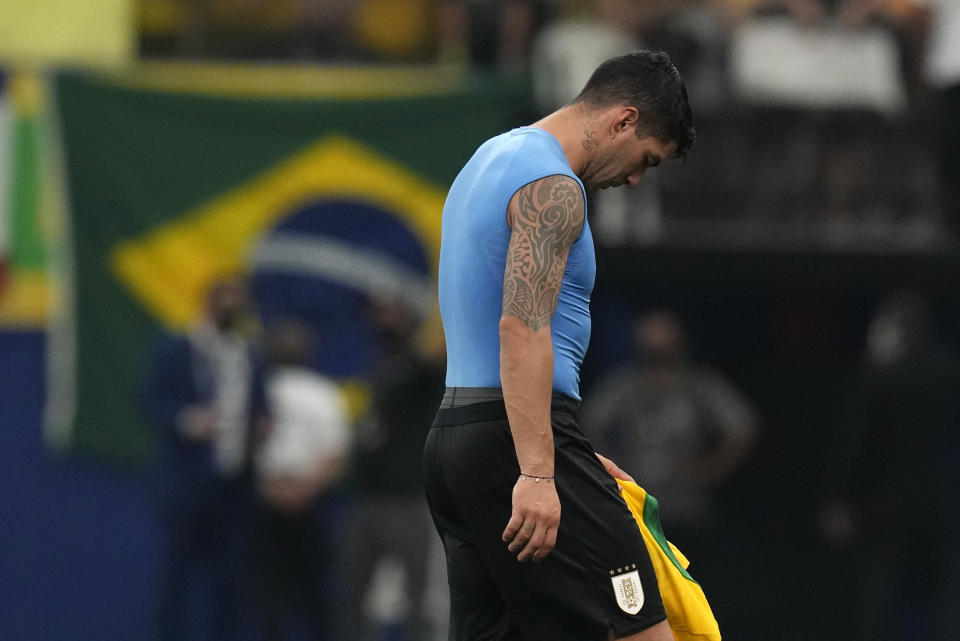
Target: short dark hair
{"x": 649, "y": 81}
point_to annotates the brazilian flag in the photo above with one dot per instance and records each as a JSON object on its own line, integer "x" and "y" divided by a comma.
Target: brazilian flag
{"x": 325, "y": 185}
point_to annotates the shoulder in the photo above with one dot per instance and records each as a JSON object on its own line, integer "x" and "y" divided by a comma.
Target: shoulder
{"x": 527, "y": 154}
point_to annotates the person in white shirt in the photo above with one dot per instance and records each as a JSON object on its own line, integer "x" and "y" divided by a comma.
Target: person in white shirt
{"x": 297, "y": 464}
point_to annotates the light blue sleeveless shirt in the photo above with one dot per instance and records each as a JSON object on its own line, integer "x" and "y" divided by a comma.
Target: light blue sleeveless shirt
{"x": 473, "y": 254}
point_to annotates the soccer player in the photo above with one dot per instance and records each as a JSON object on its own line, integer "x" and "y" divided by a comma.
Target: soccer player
{"x": 539, "y": 544}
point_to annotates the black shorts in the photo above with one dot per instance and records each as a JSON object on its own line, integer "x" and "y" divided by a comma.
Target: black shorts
{"x": 470, "y": 469}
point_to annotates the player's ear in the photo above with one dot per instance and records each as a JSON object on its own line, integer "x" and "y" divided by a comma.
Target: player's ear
{"x": 625, "y": 119}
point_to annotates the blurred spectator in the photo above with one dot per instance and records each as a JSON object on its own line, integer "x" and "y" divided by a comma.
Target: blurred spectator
{"x": 389, "y": 531}
{"x": 827, "y": 85}
{"x": 205, "y": 397}
{"x": 819, "y": 86}
{"x": 891, "y": 476}
{"x": 488, "y": 34}
{"x": 943, "y": 75}
{"x": 678, "y": 427}
{"x": 302, "y": 456}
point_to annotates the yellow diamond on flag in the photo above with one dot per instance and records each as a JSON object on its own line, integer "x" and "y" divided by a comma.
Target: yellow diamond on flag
{"x": 219, "y": 236}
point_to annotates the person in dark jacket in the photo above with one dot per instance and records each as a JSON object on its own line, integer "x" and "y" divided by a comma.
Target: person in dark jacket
{"x": 206, "y": 399}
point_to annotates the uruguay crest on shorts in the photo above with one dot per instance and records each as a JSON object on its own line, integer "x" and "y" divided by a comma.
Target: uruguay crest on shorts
{"x": 628, "y": 590}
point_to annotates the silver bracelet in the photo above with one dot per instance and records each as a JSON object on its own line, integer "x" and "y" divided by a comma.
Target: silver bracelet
{"x": 536, "y": 479}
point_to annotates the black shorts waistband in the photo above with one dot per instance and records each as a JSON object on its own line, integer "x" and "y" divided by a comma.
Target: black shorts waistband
{"x": 460, "y": 396}
{"x": 496, "y": 411}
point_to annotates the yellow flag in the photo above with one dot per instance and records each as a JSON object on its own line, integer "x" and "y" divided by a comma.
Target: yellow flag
{"x": 688, "y": 611}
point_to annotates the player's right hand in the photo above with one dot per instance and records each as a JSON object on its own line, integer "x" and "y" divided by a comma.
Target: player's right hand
{"x": 532, "y": 529}
{"x": 613, "y": 469}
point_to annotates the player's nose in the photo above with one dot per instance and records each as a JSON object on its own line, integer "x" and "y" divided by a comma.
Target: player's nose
{"x": 634, "y": 179}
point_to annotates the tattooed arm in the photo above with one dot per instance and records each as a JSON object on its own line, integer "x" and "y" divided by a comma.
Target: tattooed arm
{"x": 545, "y": 218}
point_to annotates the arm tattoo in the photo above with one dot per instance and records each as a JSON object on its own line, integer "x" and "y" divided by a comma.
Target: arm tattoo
{"x": 547, "y": 217}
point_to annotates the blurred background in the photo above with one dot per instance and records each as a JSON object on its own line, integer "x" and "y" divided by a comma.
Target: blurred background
{"x": 219, "y": 345}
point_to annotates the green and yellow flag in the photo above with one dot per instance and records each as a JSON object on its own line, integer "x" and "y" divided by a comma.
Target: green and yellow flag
{"x": 325, "y": 185}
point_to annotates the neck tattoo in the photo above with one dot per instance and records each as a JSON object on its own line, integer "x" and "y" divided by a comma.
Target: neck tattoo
{"x": 589, "y": 142}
